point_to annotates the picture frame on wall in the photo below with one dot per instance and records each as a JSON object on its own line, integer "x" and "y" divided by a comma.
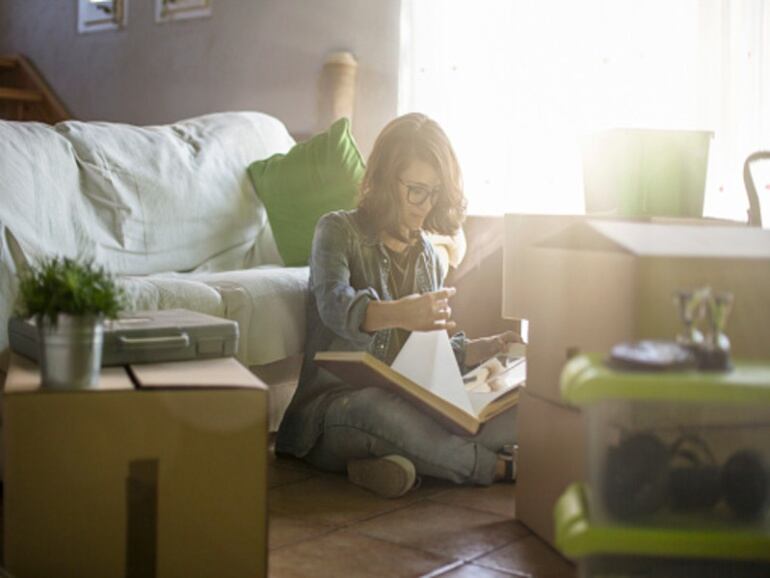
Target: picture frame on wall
{"x": 101, "y": 15}
{"x": 170, "y": 10}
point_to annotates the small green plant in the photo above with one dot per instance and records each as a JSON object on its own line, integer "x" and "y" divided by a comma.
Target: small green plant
{"x": 63, "y": 285}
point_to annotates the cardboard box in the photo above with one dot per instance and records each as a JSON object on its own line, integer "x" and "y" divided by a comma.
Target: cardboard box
{"x": 586, "y": 284}
{"x": 551, "y": 457}
{"x": 167, "y": 479}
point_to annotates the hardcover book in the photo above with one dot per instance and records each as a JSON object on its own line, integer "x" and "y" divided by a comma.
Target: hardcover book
{"x": 426, "y": 372}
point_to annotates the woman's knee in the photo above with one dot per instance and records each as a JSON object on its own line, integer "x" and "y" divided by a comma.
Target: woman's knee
{"x": 361, "y": 408}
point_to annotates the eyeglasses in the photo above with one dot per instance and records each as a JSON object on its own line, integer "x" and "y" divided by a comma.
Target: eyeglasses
{"x": 416, "y": 194}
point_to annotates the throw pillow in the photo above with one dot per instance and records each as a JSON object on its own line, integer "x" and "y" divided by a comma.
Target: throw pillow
{"x": 319, "y": 175}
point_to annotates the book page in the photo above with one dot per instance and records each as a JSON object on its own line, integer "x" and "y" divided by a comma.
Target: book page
{"x": 512, "y": 377}
{"x": 428, "y": 360}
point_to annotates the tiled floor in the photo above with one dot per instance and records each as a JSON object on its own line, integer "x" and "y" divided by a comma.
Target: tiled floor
{"x": 320, "y": 525}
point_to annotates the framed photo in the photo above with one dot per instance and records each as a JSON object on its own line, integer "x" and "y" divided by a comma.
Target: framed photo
{"x": 169, "y": 10}
{"x": 101, "y": 15}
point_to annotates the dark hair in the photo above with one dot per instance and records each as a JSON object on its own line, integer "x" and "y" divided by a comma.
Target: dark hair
{"x": 407, "y": 138}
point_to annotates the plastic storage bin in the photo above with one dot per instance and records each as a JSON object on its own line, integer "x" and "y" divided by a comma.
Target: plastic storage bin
{"x": 603, "y": 551}
{"x": 646, "y": 172}
{"x": 676, "y": 449}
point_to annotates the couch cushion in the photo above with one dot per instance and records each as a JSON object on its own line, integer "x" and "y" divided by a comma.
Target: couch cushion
{"x": 175, "y": 197}
{"x": 154, "y": 292}
{"x": 319, "y": 175}
{"x": 269, "y": 305}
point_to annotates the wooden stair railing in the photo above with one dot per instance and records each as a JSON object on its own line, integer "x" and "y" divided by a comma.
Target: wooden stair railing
{"x": 25, "y": 95}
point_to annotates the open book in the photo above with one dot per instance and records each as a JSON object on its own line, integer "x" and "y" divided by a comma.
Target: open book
{"x": 426, "y": 372}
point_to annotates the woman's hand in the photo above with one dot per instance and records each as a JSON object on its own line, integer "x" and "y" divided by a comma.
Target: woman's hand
{"x": 428, "y": 311}
{"x": 425, "y": 312}
{"x": 479, "y": 350}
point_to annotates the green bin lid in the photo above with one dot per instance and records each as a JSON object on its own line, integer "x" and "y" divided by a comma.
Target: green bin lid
{"x": 586, "y": 379}
{"x": 577, "y": 537}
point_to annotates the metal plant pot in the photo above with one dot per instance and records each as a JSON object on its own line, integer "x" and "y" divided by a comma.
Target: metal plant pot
{"x": 71, "y": 351}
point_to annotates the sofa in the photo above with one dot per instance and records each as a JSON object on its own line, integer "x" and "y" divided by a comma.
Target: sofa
{"x": 171, "y": 211}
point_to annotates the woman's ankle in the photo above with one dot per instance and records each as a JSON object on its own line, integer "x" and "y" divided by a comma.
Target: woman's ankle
{"x": 499, "y": 469}
{"x": 506, "y": 465}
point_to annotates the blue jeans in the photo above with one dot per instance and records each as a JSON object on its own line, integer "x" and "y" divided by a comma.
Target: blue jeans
{"x": 373, "y": 422}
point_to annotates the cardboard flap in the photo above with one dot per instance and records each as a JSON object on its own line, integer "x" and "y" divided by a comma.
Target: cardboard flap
{"x": 583, "y": 237}
{"x": 658, "y": 240}
{"x": 24, "y": 377}
{"x": 205, "y": 373}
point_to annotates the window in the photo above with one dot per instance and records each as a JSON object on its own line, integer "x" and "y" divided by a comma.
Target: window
{"x": 518, "y": 84}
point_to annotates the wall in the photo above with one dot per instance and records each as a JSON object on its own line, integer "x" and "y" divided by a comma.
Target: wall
{"x": 249, "y": 55}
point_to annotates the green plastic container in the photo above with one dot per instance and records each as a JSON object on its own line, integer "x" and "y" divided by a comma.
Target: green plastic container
{"x": 645, "y": 173}
{"x": 604, "y": 551}
{"x": 587, "y": 380}
{"x": 679, "y": 450}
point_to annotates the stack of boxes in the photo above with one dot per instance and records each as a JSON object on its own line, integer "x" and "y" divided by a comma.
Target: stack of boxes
{"x": 584, "y": 285}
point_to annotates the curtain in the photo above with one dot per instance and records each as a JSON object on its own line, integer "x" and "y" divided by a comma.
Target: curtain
{"x": 518, "y": 85}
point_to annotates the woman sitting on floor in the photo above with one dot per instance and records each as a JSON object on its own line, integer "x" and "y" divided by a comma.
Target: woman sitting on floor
{"x": 374, "y": 278}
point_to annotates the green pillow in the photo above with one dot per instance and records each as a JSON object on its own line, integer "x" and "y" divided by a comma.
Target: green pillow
{"x": 316, "y": 176}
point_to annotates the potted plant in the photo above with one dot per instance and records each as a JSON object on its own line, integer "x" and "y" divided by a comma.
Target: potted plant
{"x": 69, "y": 301}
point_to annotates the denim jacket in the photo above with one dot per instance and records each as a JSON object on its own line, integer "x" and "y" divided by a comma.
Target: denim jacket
{"x": 349, "y": 267}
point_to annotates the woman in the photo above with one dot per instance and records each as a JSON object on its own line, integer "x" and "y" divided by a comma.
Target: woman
{"x": 374, "y": 278}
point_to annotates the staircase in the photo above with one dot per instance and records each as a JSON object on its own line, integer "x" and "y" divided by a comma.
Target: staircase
{"x": 25, "y": 96}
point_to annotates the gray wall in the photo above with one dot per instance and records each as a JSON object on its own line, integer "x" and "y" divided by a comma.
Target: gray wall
{"x": 261, "y": 55}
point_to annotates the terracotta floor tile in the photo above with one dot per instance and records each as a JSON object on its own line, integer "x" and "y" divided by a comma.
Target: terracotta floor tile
{"x": 474, "y": 571}
{"x": 497, "y": 498}
{"x": 285, "y": 530}
{"x": 333, "y": 500}
{"x": 344, "y": 554}
{"x": 529, "y": 556}
{"x": 442, "y": 529}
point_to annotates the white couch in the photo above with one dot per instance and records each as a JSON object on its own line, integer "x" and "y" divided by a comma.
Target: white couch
{"x": 170, "y": 210}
